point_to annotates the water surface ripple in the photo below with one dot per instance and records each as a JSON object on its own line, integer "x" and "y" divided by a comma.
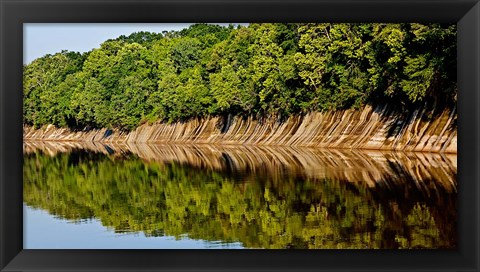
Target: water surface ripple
{"x": 251, "y": 197}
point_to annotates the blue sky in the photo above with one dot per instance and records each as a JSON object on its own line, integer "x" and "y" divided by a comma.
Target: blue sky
{"x": 42, "y": 39}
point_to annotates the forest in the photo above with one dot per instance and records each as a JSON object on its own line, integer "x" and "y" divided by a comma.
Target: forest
{"x": 267, "y": 70}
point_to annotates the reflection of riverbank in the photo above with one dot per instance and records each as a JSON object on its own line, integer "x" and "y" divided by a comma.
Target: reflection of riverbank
{"x": 371, "y": 167}
{"x": 262, "y": 197}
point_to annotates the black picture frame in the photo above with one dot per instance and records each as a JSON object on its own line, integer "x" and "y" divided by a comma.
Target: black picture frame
{"x": 13, "y": 13}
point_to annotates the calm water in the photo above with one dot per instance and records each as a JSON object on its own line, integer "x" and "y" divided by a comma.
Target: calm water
{"x": 181, "y": 196}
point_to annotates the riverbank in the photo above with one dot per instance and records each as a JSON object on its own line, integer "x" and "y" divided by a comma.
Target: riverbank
{"x": 379, "y": 128}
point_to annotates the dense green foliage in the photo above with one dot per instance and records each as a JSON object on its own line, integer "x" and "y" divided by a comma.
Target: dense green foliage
{"x": 260, "y": 211}
{"x": 260, "y": 69}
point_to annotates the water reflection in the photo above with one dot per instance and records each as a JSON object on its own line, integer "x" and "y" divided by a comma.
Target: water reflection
{"x": 261, "y": 197}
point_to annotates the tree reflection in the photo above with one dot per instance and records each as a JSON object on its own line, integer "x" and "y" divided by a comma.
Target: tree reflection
{"x": 260, "y": 210}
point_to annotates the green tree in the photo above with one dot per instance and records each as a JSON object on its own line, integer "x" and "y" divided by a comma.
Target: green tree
{"x": 186, "y": 53}
{"x": 43, "y": 101}
{"x": 430, "y": 69}
{"x": 334, "y": 64}
{"x": 137, "y": 77}
{"x": 260, "y": 70}
{"x": 142, "y": 37}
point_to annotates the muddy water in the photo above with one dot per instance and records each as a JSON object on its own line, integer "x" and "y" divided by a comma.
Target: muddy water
{"x": 217, "y": 196}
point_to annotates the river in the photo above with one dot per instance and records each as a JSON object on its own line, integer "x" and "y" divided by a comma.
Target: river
{"x": 212, "y": 196}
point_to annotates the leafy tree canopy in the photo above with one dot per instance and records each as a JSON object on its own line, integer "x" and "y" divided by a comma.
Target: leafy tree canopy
{"x": 259, "y": 69}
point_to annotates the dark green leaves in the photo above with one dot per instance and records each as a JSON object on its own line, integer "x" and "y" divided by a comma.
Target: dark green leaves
{"x": 262, "y": 70}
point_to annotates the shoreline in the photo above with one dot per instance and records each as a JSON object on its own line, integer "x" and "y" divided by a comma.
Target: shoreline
{"x": 377, "y": 128}
{"x": 228, "y": 145}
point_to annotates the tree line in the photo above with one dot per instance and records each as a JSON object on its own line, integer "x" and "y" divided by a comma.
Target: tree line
{"x": 264, "y": 70}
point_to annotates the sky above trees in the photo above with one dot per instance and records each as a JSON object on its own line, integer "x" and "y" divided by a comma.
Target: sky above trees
{"x": 49, "y": 38}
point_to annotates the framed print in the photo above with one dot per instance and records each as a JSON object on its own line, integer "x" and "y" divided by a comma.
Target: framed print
{"x": 238, "y": 135}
